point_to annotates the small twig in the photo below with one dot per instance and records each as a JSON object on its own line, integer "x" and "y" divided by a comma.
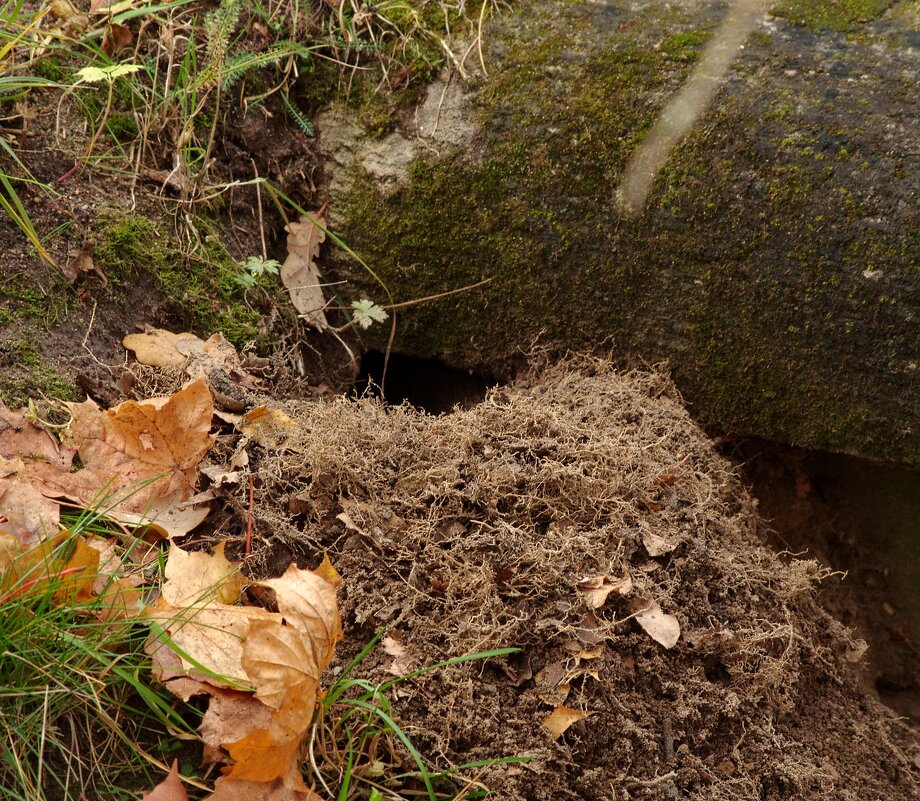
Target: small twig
{"x": 482, "y": 14}
{"x": 667, "y": 736}
{"x": 631, "y": 783}
{"x": 414, "y": 302}
{"x": 77, "y": 166}
{"x": 28, "y": 585}
{"x": 249, "y": 519}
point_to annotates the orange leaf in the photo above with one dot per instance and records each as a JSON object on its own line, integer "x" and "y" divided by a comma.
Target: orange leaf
{"x": 137, "y": 441}
{"x": 266, "y": 755}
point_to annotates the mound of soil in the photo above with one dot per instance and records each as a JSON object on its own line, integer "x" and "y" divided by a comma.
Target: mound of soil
{"x": 489, "y": 527}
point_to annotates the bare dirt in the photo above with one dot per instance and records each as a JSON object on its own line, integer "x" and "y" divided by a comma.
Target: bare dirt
{"x": 478, "y": 529}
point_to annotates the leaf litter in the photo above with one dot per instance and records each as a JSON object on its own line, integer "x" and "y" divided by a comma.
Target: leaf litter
{"x": 146, "y": 456}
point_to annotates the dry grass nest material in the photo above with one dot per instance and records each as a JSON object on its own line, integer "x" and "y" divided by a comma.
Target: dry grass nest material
{"x": 475, "y": 530}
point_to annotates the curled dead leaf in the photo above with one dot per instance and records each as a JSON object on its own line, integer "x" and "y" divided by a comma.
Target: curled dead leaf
{"x": 299, "y": 272}
{"x": 83, "y": 262}
{"x": 661, "y": 627}
{"x": 596, "y": 588}
{"x": 561, "y": 718}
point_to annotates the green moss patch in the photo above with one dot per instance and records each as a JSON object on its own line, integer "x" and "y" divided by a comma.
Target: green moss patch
{"x": 201, "y": 286}
{"x": 746, "y": 272}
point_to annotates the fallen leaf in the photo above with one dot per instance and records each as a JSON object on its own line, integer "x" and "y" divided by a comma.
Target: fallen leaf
{"x": 29, "y": 515}
{"x": 156, "y": 348}
{"x": 328, "y": 573}
{"x": 159, "y": 441}
{"x": 82, "y": 262}
{"x": 199, "y": 577}
{"x": 170, "y": 789}
{"x": 266, "y": 427}
{"x": 402, "y": 661}
{"x": 280, "y": 655}
{"x": 308, "y": 603}
{"x": 299, "y": 272}
{"x": 65, "y": 562}
{"x": 265, "y": 756}
{"x": 656, "y": 545}
{"x": 282, "y": 663}
{"x": 561, "y": 718}
{"x": 21, "y": 439}
{"x": 10, "y": 548}
{"x": 209, "y": 636}
{"x": 231, "y": 716}
{"x": 166, "y": 517}
{"x": 116, "y": 37}
{"x": 661, "y": 627}
{"x": 596, "y": 588}
{"x": 226, "y": 789}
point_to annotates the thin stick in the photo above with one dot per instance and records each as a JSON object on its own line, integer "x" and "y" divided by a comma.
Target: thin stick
{"x": 249, "y": 519}
{"x": 415, "y": 301}
{"x": 482, "y": 14}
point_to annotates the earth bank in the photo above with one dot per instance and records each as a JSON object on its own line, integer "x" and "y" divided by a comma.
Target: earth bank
{"x": 499, "y": 525}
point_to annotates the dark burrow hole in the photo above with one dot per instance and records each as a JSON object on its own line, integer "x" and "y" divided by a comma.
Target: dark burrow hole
{"x": 861, "y": 519}
{"x": 428, "y": 384}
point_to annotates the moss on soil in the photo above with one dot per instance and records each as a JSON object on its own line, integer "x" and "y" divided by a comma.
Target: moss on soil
{"x": 25, "y": 374}
{"x": 756, "y": 346}
{"x": 833, "y": 15}
{"x": 200, "y": 286}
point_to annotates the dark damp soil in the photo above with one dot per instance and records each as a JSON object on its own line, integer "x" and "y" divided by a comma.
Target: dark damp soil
{"x": 860, "y": 519}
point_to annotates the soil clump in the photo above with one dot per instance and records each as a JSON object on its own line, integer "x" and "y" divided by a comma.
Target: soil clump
{"x": 496, "y": 526}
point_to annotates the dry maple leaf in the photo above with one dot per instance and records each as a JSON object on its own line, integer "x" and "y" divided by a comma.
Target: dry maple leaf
{"x": 193, "y": 577}
{"x": 139, "y": 440}
{"x": 299, "y": 272}
{"x": 209, "y": 636}
{"x": 267, "y": 755}
{"x": 307, "y": 601}
{"x": 281, "y": 655}
{"x": 28, "y": 514}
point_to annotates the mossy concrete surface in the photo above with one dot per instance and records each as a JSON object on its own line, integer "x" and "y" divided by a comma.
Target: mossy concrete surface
{"x": 777, "y": 265}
